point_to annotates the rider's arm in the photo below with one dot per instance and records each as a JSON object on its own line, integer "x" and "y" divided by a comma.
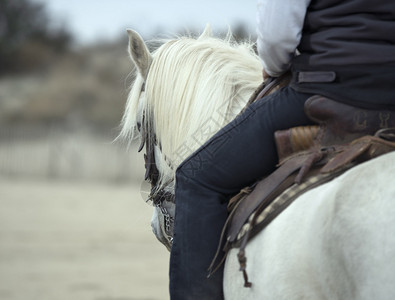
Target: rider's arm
{"x": 279, "y": 29}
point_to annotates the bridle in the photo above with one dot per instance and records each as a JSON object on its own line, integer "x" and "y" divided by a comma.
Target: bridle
{"x": 157, "y": 195}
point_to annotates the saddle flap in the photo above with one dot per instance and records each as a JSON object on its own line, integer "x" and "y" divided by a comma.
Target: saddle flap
{"x": 265, "y": 190}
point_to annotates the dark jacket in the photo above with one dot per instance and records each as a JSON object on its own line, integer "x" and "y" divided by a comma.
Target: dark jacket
{"x": 351, "y": 44}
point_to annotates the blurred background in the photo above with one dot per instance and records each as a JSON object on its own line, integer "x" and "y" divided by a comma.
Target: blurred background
{"x": 73, "y": 222}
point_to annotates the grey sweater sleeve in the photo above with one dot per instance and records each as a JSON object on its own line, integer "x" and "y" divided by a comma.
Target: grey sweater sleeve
{"x": 279, "y": 29}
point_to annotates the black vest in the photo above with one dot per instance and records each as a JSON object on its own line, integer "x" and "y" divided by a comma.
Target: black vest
{"x": 348, "y": 52}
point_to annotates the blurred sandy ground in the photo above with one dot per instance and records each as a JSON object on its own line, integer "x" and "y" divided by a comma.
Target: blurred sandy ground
{"x": 73, "y": 224}
{"x": 77, "y": 241}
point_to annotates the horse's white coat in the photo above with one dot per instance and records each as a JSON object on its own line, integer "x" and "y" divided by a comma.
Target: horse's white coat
{"x": 334, "y": 242}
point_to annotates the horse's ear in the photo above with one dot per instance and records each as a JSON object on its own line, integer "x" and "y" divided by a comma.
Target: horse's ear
{"x": 207, "y": 32}
{"x": 139, "y": 53}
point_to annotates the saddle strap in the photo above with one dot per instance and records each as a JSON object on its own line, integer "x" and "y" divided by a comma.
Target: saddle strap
{"x": 266, "y": 213}
{"x": 363, "y": 149}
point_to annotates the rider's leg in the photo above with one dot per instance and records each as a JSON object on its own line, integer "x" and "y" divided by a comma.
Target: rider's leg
{"x": 235, "y": 157}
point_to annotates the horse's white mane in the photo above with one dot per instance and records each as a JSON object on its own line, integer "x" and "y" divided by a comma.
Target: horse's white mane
{"x": 193, "y": 88}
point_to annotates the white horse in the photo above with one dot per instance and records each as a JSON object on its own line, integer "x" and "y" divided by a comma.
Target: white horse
{"x": 336, "y": 241}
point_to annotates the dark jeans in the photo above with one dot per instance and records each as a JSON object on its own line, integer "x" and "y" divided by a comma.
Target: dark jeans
{"x": 235, "y": 157}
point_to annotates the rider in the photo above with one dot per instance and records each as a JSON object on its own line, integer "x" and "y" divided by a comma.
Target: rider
{"x": 345, "y": 51}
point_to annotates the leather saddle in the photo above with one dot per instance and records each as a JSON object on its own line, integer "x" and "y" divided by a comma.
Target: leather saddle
{"x": 322, "y": 145}
{"x": 344, "y": 136}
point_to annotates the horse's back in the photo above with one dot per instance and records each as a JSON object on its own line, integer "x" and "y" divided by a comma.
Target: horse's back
{"x": 333, "y": 242}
